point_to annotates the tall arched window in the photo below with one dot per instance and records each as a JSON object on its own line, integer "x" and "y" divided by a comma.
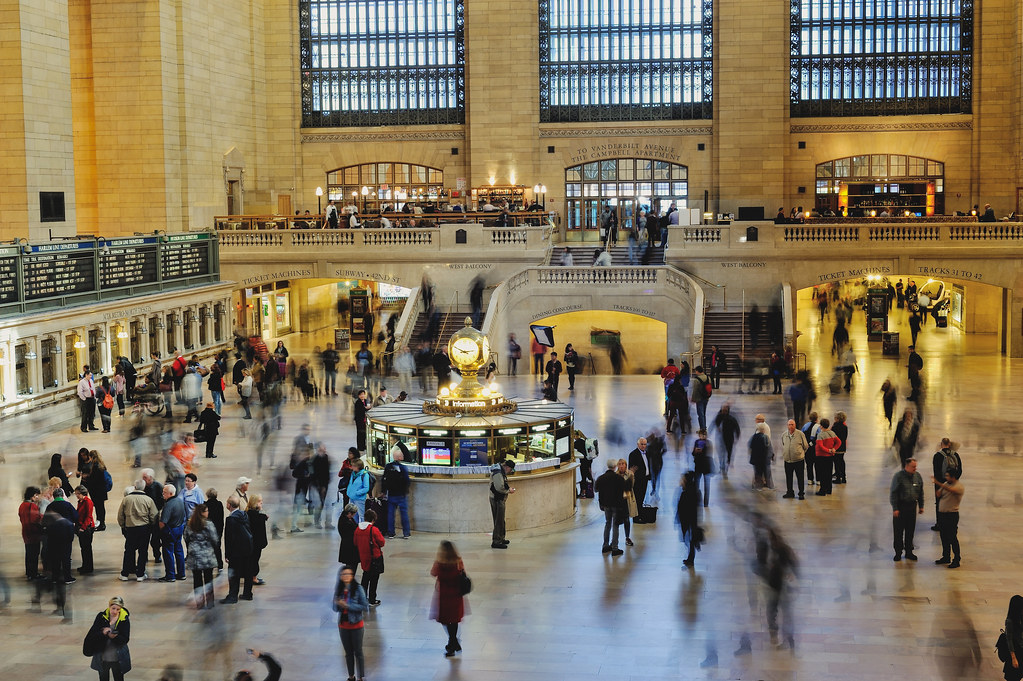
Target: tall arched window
{"x": 382, "y": 62}
{"x": 874, "y": 57}
{"x": 625, "y": 61}
{"x": 625, "y": 185}
{"x": 371, "y": 185}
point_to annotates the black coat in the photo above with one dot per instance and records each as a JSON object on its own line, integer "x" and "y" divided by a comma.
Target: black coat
{"x": 257, "y": 526}
{"x": 610, "y": 489}
{"x": 237, "y": 539}
{"x": 348, "y": 552}
{"x": 209, "y": 421}
{"x": 96, "y": 483}
{"x": 216, "y": 509}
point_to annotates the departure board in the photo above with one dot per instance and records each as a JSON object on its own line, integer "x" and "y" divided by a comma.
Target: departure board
{"x": 8, "y": 275}
{"x": 59, "y": 270}
{"x": 186, "y": 255}
{"x": 128, "y": 262}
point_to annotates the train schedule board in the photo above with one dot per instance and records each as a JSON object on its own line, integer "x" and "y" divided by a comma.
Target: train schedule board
{"x": 9, "y": 275}
{"x": 186, "y": 255}
{"x": 53, "y": 270}
{"x": 128, "y": 262}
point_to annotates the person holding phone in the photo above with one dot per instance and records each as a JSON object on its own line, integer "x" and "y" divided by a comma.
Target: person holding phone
{"x": 272, "y": 666}
{"x": 351, "y": 603}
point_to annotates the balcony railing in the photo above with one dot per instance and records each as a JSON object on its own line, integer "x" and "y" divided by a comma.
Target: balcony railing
{"x": 224, "y": 223}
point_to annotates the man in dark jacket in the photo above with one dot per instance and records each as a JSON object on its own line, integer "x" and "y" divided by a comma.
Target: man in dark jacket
{"x": 639, "y": 463}
{"x": 907, "y": 500}
{"x": 237, "y": 551}
{"x": 610, "y": 488}
{"x": 396, "y": 484}
{"x": 945, "y": 459}
{"x": 154, "y": 490}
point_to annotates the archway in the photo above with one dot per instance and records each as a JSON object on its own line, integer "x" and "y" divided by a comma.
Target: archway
{"x": 594, "y": 333}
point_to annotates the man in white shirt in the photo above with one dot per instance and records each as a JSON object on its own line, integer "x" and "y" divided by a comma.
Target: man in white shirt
{"x": 87, "y": 402}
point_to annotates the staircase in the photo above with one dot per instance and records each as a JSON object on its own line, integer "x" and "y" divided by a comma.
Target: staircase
{"x": 725, "y": 330}
{"x": 449, "y": 323}
{"x": 583, "y": 255}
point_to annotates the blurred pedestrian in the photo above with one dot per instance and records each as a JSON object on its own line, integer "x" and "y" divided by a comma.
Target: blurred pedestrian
{"x": 448, "y": 599}
{"x": 370, "y": 542}
{"x": 85, "y": 528}
{"x": 687, "y": 515}
{"x": 201, "y": 538}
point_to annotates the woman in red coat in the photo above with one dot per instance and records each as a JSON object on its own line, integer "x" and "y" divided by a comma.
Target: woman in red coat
{"x": 370, "y": 542}
{"x": 448, "y": 601}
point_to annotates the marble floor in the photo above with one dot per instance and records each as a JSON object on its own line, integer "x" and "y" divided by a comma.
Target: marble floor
{"x": 553, "y": 607}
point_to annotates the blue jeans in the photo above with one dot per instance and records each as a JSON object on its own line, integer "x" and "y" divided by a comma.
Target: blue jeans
{"x": 173, "y": 551}
{"x": 610, "y": 529}
{"x": 701, "y": 413}
{"x": 329, "y": 382}
{"x": 360, "y": 504}
{"x": 394, "y": 502}
{"x": 218, "y": 400}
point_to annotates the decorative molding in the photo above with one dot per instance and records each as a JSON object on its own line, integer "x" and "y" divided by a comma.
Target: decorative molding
{"x": 882, "y": 127}
{"x": 393, "y": 136}
{"x": 626, "y": 132}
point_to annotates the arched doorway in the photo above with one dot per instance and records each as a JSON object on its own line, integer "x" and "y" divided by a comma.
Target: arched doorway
{"x": 625, "y": 185}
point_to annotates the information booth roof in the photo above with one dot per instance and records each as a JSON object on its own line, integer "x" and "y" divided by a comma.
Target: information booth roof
{"x": 410, "y": 413}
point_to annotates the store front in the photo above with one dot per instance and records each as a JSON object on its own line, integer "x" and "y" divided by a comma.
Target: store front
{"x": 382, "y": 187}
{"x": 881, "y": 185}
{"x": 626, "y": 186}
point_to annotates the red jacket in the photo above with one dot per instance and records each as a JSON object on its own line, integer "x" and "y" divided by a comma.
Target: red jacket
{"x": 31, "y": 522}
{"x": 362, "y": 536}
{"x": 825, "y": 445}
{"x": 85, "y": 521}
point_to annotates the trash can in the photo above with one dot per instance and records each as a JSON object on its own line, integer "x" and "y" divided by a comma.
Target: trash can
{"x": 890, "y": 343}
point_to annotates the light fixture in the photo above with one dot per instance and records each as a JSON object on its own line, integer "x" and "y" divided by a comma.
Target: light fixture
{"x": 143, "y": 329}
{"x": 319, "y": 199}
{"x": 121, "y": 333}
{"x": 55, "y": 349}
{"x": 160, "y": 324}
{"x": 79, "y": 343}
{"x": 209, "y": 315}
{"x": 177, "y": 321}
{"x": 101, "y": 337}
{"x": 31, "y": 354}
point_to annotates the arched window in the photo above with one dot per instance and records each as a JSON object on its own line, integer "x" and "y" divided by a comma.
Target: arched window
{"x": 371, "y": 185}
{"x": 635, "y": 61}
{"x": 382, "y": 62}
{"x": 626, "y": 185}
{"x": 895, "y": 183}
{"x": 868, "y": 57}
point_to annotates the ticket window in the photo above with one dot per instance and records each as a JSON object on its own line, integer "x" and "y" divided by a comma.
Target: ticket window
{"x": 203, "y": 336}
{"x": 186, "y": 330}
{"x": 135, "y": 342}
{"x": 71, "y": 358}
{"x": 95, "y": 353}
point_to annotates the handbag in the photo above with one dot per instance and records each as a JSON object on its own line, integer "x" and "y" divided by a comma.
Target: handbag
{"x": 377, "y": 562}
{"x": 199, "y": 435}
{"x": 464, "y": 583}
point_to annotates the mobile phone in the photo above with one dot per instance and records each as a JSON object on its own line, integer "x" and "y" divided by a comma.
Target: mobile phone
{"x": 249, "y": 651}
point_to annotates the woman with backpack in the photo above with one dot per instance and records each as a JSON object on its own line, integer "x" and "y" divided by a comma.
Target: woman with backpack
{"x": 98, "y": 481}
{"x": 105, "y": 402}
{"x": 359, "y": 486}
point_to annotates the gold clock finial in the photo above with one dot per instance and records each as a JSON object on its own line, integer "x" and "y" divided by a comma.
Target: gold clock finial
{"x": 468, "y": 321}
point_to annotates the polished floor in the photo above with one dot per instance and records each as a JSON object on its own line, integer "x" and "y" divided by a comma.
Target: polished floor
{"x": 553, "y": 607}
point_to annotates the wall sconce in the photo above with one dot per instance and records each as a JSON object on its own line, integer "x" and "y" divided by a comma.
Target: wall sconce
{"x": 121, "y": 333}
{"x": 79, "y": 343}
{"x": 143, "y": 329}
{"x": 209, "y": 315}
{"x": 178, "y": 321}
{"x": 55, "y": 349}
{"x": 31, "y": 354}
{"x": 160, "y": 325}
{"x": 102, "y": 337}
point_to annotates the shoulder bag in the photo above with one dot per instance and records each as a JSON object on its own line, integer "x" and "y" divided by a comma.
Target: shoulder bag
{"x": 376, "y": 563}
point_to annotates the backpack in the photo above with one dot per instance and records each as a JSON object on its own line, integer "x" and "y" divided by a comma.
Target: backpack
{"x": 108, "y": 401}
{"x": 807, "y": 429}
{"x": 708, "y": 389}
{"x": 178, "y": 367}
{"x": 1002, "y": 647}
{"x": 108, "y": 480}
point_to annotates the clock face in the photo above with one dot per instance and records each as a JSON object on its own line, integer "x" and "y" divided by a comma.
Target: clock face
{"x": 465, "y": 351}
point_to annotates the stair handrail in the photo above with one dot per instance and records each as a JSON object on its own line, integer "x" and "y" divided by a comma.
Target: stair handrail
{"x": 723, "y": 287}
{"x": 407, "y": 321}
